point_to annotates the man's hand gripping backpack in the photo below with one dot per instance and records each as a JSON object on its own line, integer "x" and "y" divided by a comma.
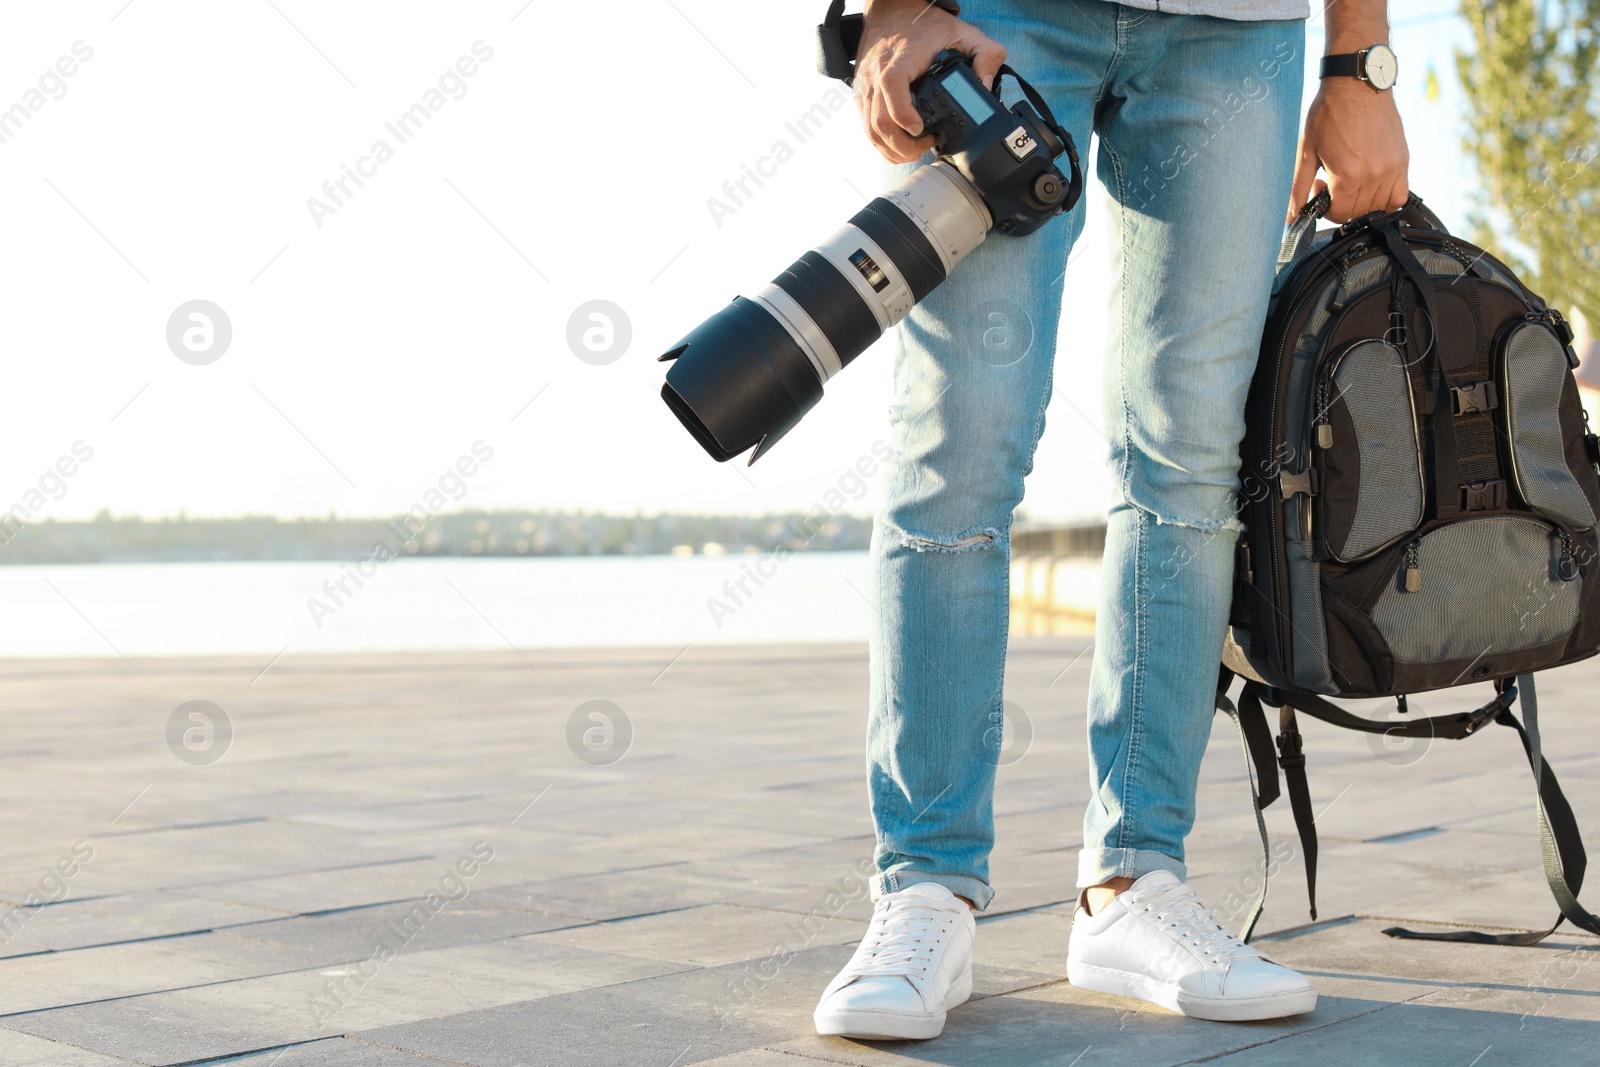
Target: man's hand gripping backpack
{"x": 1419, "y": 496}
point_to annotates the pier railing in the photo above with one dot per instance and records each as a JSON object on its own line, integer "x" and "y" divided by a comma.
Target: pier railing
{"x": 1055, "y": 578}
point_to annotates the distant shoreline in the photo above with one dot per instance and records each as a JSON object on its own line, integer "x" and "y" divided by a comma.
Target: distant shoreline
{"x": 464, "y": 534}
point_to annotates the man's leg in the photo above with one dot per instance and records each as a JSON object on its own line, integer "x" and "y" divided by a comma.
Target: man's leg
{"x": 1198, "y": 139}
{"x": 972, "y": 378}
{"x": 1198, "y": 149}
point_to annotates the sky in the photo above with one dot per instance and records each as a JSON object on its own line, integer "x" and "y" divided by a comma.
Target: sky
{"x": 378, "y": 333}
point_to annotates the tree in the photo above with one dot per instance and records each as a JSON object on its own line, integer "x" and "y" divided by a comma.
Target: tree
{"x": 1533, "y": 129}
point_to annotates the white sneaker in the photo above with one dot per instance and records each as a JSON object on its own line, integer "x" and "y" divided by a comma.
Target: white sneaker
{"x": 913, "y": 965}
{"x": 1157, "y": 942}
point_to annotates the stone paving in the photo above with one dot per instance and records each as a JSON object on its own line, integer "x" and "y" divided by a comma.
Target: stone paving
{"x": 402, "y": 860}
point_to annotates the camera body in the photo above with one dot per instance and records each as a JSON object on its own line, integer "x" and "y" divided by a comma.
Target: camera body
{"x": 1008, "y": 156}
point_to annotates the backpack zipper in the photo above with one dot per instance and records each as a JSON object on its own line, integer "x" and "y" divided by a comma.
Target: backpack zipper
{"x": 1340, "y": 294}
{"x": 1323, "y": 426}
{"x": 1567, "y": 564}
{"x": 1322, "y": 435}
{"x": 1556, "y": 323}
{"x": 1274, "y": 512}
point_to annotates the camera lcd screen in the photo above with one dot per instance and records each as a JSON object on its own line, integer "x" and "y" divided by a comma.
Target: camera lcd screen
{"x": 971, "y": 102}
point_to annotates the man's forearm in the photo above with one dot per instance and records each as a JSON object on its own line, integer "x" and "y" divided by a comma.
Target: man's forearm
{"x": 1351, "y": 25}
{"x": 1353, "y": 133}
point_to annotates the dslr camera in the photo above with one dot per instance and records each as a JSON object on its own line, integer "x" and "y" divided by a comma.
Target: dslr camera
{"x": 744, "y": 377}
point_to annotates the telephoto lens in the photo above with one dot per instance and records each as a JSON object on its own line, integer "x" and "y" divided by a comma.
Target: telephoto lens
{"x": 744, "y": 377}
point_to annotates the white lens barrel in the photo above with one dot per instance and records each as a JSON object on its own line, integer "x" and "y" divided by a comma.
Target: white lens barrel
{"x": 807, "y": 334}
{"x": 947, "y": 208}
{"x": 841, "y": 296}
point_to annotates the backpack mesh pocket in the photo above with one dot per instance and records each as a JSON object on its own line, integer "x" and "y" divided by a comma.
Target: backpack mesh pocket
{"x": 1482, "y": 586}
{"x": 1370, "y": 450}
{"x": 1533, "y": 373}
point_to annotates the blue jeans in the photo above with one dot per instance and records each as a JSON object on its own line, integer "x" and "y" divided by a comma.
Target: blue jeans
{"x": 1197, "y": 119}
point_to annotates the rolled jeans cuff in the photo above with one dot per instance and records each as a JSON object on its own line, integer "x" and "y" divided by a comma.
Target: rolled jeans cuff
{"x": 1096, "y": 866}
{"x": 961, "y": 885}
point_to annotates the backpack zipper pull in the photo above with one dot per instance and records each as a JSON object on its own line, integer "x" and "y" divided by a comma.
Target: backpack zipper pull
{"x": 1552, "y": 319}
{"x": 1324, "y": 427}
{"x": 1558, "y": 323}
{"x": 1413, "y": 567}
{"x": 1395, "y": 335}
{"x": 1341, "y": 290}
{"x": 1567, "y": 565}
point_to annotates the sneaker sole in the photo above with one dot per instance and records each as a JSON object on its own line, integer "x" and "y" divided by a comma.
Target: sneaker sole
{"x": 1193, "y": 1005}
{"x": 890, "y": 1026}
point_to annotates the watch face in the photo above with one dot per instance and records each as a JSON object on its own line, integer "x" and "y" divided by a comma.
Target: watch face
{"x": 1382, "y": 67}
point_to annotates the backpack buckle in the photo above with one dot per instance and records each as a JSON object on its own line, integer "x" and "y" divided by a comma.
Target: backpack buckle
{"x": 1302, "y": 483}
{"x": 1490, "y": 711}
{"x": 1484, "y": 496}
{"x": 1291, "y": 749}
{"x": 1475, "y": 396}
{"x": 1487, "y": 713}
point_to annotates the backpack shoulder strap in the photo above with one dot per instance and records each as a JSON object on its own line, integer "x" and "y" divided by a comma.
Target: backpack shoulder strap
{"x": 1560, "y": 843}
{"x": 1292, "y": 758}
{"x": 1291, "y": 750}
{"x": 1263, "y": 776}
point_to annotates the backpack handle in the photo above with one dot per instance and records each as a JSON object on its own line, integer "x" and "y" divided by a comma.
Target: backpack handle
{"x": 1416, "y": 213}
{"x": 1297, "y": 240}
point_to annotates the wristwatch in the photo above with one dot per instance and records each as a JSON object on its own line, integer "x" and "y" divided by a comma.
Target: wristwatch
{"x": 1377, "y": 66}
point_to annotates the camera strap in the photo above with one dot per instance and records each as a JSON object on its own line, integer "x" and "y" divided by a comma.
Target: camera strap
{"x": 1075, "y": 180}
{"x": 838, "y": 40}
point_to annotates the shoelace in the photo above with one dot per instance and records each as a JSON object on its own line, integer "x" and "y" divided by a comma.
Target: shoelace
{"x": 1177, "y": 908}
{"x": 901, "y": 939}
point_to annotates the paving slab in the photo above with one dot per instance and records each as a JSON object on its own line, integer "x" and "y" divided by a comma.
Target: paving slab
{"x": 1445, "y": 1027}
{"x": 33, "y": 1051}
{"x": 351, "y": 933}
{"x": 212, "y": 1021}
{"x": 125, "y": 917}
{"x": 86, "y": 975}
{"x": 712, "y": 934}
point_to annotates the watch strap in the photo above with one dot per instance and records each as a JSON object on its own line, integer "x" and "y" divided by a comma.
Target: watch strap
{"x": 1346, "y": 65}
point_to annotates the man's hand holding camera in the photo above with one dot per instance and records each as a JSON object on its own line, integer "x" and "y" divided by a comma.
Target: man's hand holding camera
{"x": 898, "y": 43}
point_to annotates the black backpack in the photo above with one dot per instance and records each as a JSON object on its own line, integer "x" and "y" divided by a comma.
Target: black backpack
{"x": 1419, "y": 495}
